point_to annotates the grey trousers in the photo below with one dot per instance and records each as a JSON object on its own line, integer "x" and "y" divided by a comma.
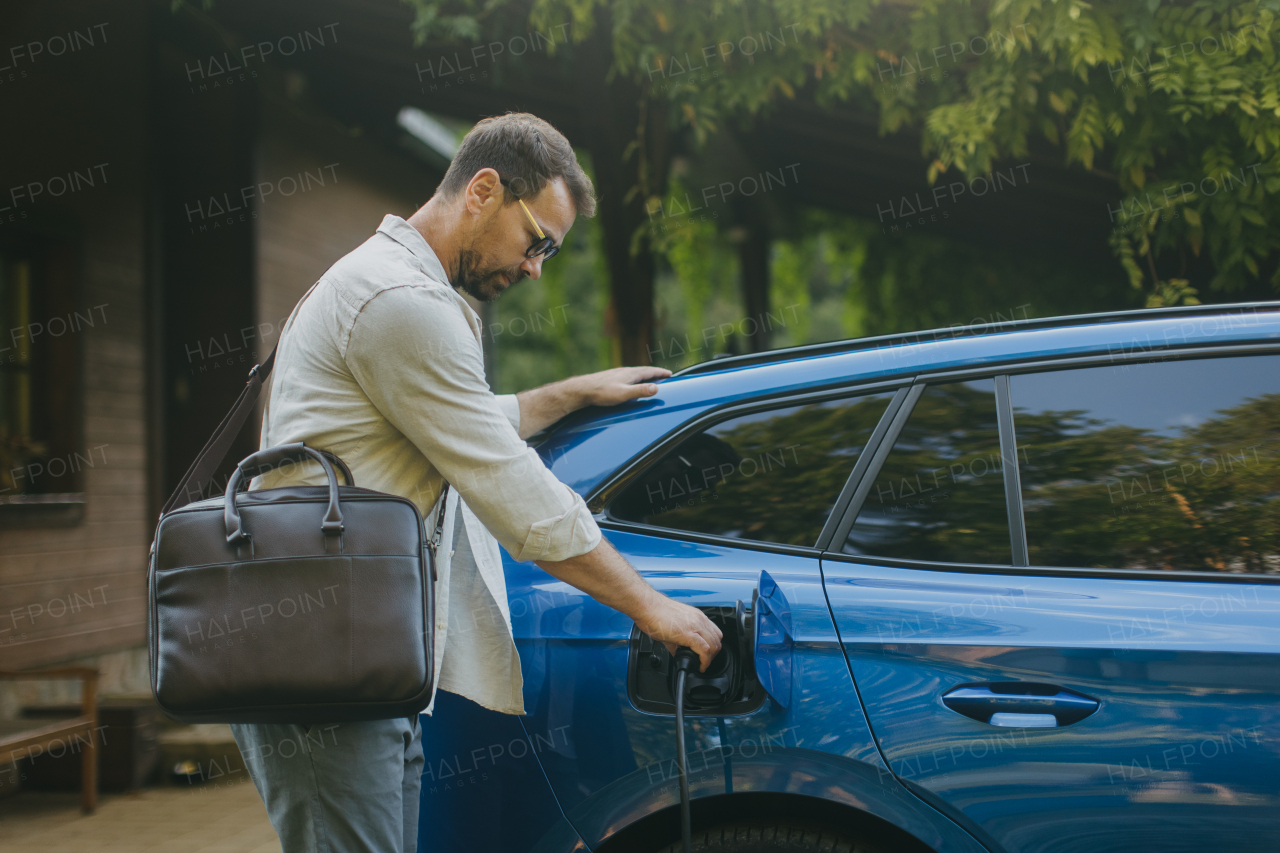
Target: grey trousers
{"x": 338, "y": 787}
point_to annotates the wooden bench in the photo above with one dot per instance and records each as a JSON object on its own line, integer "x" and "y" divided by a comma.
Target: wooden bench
{"x": 31, "y": 738}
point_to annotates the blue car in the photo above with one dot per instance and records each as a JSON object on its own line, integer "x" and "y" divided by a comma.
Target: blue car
{"x": 1007, "y": 589}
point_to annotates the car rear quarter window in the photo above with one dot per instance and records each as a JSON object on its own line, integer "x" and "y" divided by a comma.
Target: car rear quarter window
{"x": 771, "y": 476}
{"x": 1171, "y": 465}
{"x": 940, "y": 494}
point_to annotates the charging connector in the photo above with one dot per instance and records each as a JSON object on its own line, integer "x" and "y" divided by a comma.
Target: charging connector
{"x": 728, "y": 687}
{"x": 659, "y": 682}
{"x": 686, "y": 661}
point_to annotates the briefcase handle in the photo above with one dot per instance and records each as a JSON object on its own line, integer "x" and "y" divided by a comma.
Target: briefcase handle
{"x": 339, "y": 467}
{"x": 273, "y": 456}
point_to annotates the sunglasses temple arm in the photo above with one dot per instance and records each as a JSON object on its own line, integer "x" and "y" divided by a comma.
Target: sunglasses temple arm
{"x": 532, "y": 221}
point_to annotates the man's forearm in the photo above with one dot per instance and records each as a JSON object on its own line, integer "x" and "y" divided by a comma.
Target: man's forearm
{"x": 606, "y": 576}
{"x": 541, "y": 407}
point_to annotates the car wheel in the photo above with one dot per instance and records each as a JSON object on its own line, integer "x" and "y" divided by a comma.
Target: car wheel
{"x": 773, "y": 837}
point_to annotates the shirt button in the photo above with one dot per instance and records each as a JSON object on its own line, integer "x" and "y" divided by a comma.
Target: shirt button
{"x": 454, "y": 551}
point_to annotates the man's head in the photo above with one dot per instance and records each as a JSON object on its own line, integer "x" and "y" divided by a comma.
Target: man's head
{"x": 503, "y": 162}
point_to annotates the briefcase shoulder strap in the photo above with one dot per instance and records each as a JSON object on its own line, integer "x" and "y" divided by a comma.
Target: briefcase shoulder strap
{"x": 194, "y": 482}
{"x": 198, "y": 476}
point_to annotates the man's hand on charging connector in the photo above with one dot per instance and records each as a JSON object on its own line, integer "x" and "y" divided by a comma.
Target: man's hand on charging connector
{"x": 674, "y": 624}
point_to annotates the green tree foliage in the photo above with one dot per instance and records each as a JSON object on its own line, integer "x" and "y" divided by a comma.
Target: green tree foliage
{"x": 702, "y": 266}
{"x": 841, "y": 277}
{"x": 862, "y": 282}
{"x": 1177, "y": 103}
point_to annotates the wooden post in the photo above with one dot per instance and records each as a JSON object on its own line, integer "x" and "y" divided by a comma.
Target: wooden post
{"x": 89, "y": 757}
{"x": 626, "y": 130}
{"x": 44, "y": 736}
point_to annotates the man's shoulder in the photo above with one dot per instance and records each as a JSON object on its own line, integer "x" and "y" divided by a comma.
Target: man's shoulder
{"x": 380, "y": 286}
{"x": 376, "y": 266}
{"x": 421, "y": 310}
{"x": 399, "y": 309}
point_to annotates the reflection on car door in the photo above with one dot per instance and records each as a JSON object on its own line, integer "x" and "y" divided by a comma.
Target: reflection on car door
{"x": 765, "y": 475}
{"x": 1107, "y": 704}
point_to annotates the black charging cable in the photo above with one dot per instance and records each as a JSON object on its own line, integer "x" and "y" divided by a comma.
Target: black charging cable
{"x": 686, "y": 661}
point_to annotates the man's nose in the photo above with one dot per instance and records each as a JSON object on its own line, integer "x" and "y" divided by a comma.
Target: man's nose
{"x": 532, "y": 267}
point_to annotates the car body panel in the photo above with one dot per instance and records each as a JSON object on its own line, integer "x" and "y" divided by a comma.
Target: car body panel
{"x": 619, "y": 764}
{"x": 1181, "y": 753}
{"x": 482, "y": 785}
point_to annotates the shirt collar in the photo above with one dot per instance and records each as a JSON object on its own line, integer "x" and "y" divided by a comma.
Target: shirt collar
{"x": 406, "y": 235}
{"x": 410, "y": 238}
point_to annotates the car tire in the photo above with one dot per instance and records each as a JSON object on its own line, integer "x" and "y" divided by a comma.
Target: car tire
{"x": 774, "y": 837}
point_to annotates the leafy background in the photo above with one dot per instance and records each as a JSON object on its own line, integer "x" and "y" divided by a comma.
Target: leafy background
{"x": 1169, "y": 102}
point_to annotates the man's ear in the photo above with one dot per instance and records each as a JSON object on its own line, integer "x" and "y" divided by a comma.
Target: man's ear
{"x": 484, "y": 192}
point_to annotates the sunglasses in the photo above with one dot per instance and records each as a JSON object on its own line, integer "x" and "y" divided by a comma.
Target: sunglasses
{"x": 544, "y": 245}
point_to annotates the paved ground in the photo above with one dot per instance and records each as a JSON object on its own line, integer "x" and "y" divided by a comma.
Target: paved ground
{"x": 213, "y": 818}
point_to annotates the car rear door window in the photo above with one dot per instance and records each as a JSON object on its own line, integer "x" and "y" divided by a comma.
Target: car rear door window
{"x": 771, "y": 476}
{"x": 1170, "y": 465}
{"x": 940, "y": 494}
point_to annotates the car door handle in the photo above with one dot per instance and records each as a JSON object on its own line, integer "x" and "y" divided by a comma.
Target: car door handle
{"x": 1020, "y": 703}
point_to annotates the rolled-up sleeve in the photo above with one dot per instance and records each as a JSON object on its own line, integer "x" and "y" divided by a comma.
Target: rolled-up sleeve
{"x": 419, "y": 362}
{"x": 510, "y": 407}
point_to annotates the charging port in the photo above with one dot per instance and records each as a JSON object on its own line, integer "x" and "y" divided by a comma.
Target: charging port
{"x": 728, "y": 688}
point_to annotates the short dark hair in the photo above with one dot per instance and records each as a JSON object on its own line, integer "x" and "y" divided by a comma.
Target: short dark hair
{"x": 527, "y": 153}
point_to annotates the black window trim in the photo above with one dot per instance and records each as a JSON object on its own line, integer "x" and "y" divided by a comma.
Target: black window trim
{"x": 875, "y": 461}
{"x": 1013, "y": 490}
{"x": 599, "y": 499}
{"x": 902, "y": 398}
{"x": 1012, "y": 478}
{"x": 1004, "y": 421}
{"x": 1053, "y": 571}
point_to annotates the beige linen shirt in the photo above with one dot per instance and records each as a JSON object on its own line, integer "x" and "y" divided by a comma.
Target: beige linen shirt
{"x": 381, "y": 363}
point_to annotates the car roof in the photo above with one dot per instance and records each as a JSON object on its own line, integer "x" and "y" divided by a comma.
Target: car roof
{"x": 725, "y": 362}
{"x": 587, "y": 447}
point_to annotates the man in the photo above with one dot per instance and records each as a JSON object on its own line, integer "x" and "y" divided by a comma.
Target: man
{"x": 381, "y": 363}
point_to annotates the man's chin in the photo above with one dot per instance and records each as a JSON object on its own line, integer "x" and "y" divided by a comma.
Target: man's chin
{"x": 491, "y": 290}
{"x": 496, "y": 286}
{"x": 486, "y": 290}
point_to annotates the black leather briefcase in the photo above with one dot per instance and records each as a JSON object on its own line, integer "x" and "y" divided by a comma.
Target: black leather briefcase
{"x": 302, "y": 604}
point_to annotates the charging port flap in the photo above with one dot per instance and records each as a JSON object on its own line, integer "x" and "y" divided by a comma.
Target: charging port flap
{"x": 773, "y": 640}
